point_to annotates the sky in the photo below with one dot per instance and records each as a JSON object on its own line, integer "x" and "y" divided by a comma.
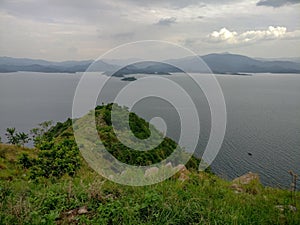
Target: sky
{"x": 76, "y": 30}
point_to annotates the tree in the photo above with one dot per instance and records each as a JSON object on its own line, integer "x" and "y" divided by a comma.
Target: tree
{"x": 23, "y": 138}
{"x": 12, "y": 138}
{"x": 38, "y": 132}
{"x": 46, "y": 125}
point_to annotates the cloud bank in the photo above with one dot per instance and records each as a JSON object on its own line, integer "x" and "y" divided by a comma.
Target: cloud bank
{"x": 75, "y": 29}
{"x": 277, "y": 3}
{"x": 251, "y": 36}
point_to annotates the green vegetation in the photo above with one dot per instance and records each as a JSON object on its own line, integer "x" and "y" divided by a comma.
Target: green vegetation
{"x": 54, "y": 160}
{"x": 9, "y": 157}
{"x": 38, "y": 132}
{"x": 140, "y": 128}
{"x": 14, "y": 138}
{"x": 128, "y": 79}
{"x": 52, "y": 184}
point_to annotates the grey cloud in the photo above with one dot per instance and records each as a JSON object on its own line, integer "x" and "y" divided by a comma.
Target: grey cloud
{"x": 62, "y": 25}
{"x": 169, "y": 3}
{"x": 166, "y": 21}
{"x": 92, "y": 10}
{"x": 177, "y": 4}
{"x": 277, "y": 3}
{"x": 57, "y": 11}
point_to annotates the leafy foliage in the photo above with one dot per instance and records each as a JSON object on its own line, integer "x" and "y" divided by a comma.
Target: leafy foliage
{"x": 25, "y": 161}
{"x": 56, "y": 159}
{"x": 22, "y": 138}
{"x": 14, "y": 138}
{"x": 11, "y": 137}
{"x": 59, "y": 155}
{"x": 38, "y": 133}
{"x": 11, "y": 160}
{"x": 140, "y": 128}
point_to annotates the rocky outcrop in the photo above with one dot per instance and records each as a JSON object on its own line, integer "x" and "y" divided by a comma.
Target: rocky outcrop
{"x": 151, "y": 171}
{"x": 242, "y": 183}
{"x": 246, "y": 178}
{"x": 183, "y": 173}
{"x": 70, "y": 216}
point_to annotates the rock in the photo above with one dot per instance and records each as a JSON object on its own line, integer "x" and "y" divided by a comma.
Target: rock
{"x": 237, "y": 189}
{"x": 123, "y": 173}
{"x": 183, "y": 177}
{"x": 110, "y": 196}
{"x": 169, "y": 165}
{"x": 180, "y": 167}
{"x": 151, "y": 171}
{"x": 240, "y": 182}
{"x": 247, "y": 178}
{"x": 82, "y": 210}
{"x": 183, "y": 173}
{"x": 292, "y": 208}
{"x": 69, "y": 216}
{"x": 71, "y": 212}
{"x": 282, "y": 207}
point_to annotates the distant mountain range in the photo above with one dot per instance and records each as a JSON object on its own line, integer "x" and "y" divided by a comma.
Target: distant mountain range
{"x": 146, "y": 67}
{"x": 233, "y": 64}
{"x": 225, "y": 63}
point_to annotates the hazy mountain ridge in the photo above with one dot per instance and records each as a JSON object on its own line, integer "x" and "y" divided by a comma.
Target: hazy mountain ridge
{"x": 147, "y": 67}
{"x": 9, "y": 64}
{"x": 232, "y": 63}
{"x": 290, "y": 59}
{"x": 218, "y": 63}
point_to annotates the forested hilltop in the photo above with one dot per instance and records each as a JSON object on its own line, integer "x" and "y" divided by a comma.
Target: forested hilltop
{"x": 52, "y": 184}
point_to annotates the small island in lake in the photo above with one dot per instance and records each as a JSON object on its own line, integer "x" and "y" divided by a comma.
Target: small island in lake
{"x": 128, "y": 79}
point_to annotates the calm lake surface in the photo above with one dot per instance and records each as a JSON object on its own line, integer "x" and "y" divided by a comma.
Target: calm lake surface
{"x": 263, "y": 116}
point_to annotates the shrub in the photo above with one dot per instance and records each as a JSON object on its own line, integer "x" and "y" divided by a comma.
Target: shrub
{"x": 56, "y": 159}
{"x": 25, "y": 161}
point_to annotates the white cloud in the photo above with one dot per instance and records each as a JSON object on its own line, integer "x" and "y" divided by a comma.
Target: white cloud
{"x": 233, "y": 37}
{"x": 223, "y": 35}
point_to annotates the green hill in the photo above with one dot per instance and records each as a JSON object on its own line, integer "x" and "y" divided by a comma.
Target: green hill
{"x": 140, "y": 128}
{"x": 52, "y": 184}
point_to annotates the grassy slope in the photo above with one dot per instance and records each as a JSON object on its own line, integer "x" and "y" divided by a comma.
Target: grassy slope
{"x": 9, "y": 155}
{"x": 202, "y": 199}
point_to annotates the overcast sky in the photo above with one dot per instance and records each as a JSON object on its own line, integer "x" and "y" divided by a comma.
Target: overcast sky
{"x": 77, "y": 29}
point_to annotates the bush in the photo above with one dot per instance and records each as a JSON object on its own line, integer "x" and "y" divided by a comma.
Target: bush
{"x": 25, "y": 161}
{"x": 56, "y": 159}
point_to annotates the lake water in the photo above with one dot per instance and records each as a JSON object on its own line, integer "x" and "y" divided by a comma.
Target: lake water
{"x": 263, "y": 116}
